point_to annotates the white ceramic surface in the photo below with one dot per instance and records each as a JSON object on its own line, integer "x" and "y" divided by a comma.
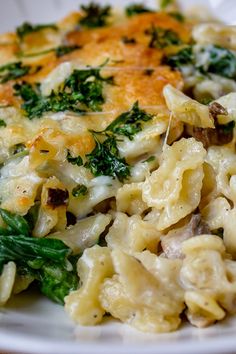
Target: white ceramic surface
{"x": 33, "y": 324}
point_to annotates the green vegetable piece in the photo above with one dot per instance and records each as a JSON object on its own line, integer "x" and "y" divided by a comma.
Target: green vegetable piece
{"x": 183, "y": 57}
{"x": 161, "y": 38}
{"x": 79, "y": 190}
{"x": 13, "y": 71}
{"x": 129, "y": 123}
{"x": 66, "y": 49}
{"x": 105, "y": 159}
{"x": 2, "y": 123}
{"x": 165, "y": 3}
{"x": 27, "y": 28}
{"x": 136, "y": 9}
{"x": 21, "y": 249}
{"x": 74, "y": 160}
{"x": 56, "y": 282}
{"x": 177, "y": 16}
{"x": 82, "y": 87}
{"x": 43, "y": 259}
{"x": 221, "y": 61}
{"x": 227, "y": 128}
{"x": 95, "y": 15}
{"x": 150, "y": 159}
{"x": 16, "y": 222}
{"x": 32, "y": 215}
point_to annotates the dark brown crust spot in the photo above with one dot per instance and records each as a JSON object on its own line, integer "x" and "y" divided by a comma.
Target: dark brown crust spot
{"x": 57, "y": 197}
{"x": 216, "y": 109}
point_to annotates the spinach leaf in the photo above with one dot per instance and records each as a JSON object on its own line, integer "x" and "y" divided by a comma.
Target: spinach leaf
{"x": 27, "y": 28}
{"x": 95, "y": 15}
{"x": 105, "y": 159}
{"x": 14, "y": 71}
{"x": 19, "y": 248}
{"x": 161, "y": 38}
{"x": 17, "y": 223}
{"x": 129, "y": 123}
{"x": 79, "y": 190}
{"x": 136, "y": 9}
{"x": 82, "y": 87}
{"x": 43, "y": 258}
{"x": 56, "y": 282}
{"x": 66, "y": 49}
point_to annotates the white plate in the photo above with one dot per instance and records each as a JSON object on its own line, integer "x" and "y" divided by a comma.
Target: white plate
{"x": 33, "y": 324}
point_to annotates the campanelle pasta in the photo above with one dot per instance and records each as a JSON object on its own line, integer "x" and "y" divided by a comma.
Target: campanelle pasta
{"x": 118, "y": 166}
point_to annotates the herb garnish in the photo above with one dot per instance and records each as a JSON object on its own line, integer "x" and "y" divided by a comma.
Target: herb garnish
{"x": 2, "y": 123}
{"x": 219, "y": 61}
{"x": 105, "y": 159}
{"x": 183, "y": 57}
{"x": 177, "y": 16}
{"x": 79, "y": 190}
{"x": 65, "y": 49}
{"x": 27, "y": 28}
{"x": 136, "y": 9}
{"x": 74, "y": 160}
{"x": 82, "y": 87}
{"x": 129, "y": 123}
{"x": 95, "y": 15}
{"x": 16, "y": 70}
{"x": 165, "y": 3}
{"x": 161, "y": 38}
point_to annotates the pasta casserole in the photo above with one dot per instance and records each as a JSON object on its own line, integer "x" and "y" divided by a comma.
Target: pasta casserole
{"x": 118, "y": 165}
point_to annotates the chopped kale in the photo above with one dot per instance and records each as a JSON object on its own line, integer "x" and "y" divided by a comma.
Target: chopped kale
{"x": 161, "y": 38}
{"x": 27, "y": 28}
{"x": 129, "y": 123}
{"x": 16, "y": 70}
{"x": 105, "y": 159}
{"x": 95, "y": 15}
{"x": 74, "y": 160}
{"x": 79, "y": 190}
{"x": 66, "y": 49}
{"x": 136, "y": 9}
{"x": 82, "y": 87}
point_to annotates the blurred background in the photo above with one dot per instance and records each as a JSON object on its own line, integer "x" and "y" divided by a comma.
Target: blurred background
{"x": 14, "y": 12}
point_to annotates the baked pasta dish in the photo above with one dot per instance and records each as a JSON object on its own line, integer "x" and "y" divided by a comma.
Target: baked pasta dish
{"x": 118, "y": 165}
